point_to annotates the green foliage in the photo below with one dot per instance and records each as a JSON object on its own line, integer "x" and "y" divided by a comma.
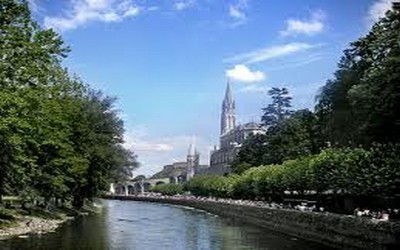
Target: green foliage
{"x": 356, "y": 110}
{"x": 278, "y": 110}
{"x": 361, "y": 105}
{"x": 295, "y": 136}
{"x": 347, "y": 172}
{"x": 299, "y": 175}
{"x": 250, "y": 154}
{"x": 58, "y": 137}
{"x": 208, "y": 185}
{"x": 6, "y": 214}
{"x": 358, "y": 107}
{"x": 338, "y": 169}
{"x": 239, "y": 167}
{"x": 168, "y": 189}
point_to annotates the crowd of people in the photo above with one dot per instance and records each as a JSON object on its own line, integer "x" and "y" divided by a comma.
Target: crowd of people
{"x": 382, "y": 215}
{"x": 304, "y": 206}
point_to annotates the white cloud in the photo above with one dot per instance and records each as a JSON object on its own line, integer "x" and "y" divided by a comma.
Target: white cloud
{"x": 298, "y": 62}
{"x": 84, "y": 11}
{"x": 97, "y": 4}
{"x": 138, "y": 141}
{"x": 308, "y": 27}
{"x": 237, "y": 12}
{"x": 131, "y": 11}
{"x": 140, "y": 145}
{"x": 270, "y": 53}
{"x": 154, "y": 152}
{"x": 378, "y": 10}
{"x": 242, "y": 73}
{"x": 184, "y": 4}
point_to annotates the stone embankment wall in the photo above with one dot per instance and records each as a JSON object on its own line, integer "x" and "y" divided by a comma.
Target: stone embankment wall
{"x": 329, "y": 229}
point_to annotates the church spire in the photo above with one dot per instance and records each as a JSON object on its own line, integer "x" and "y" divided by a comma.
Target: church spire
{"x": 228, "y": 94}
{"x": 191, "y": 150}
{"x": 228, "y": 118}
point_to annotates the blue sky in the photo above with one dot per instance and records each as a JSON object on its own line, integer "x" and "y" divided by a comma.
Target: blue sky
{"x": 168, "y": 61}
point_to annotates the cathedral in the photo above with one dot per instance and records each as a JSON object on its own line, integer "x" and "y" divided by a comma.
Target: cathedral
{"x": 231, "y": 137}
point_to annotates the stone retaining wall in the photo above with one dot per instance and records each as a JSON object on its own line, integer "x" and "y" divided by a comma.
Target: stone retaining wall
{"x": 328, "y": 229}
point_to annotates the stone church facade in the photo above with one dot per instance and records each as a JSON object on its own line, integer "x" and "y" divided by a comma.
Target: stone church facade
{"x": 232, "y": 136}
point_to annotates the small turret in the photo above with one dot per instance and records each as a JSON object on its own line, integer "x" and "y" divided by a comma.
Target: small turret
{"x": 191, "y": 159}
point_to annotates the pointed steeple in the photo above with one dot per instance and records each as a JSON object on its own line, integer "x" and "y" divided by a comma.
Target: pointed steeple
{"x": 192, "y": 150}
{"x": 228, "y": 94}
{"x": 228, "y": 120}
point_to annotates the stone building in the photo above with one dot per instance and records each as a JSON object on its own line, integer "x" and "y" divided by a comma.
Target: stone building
{"x": 232, "y": 136}
{"x": 179, "y": 172}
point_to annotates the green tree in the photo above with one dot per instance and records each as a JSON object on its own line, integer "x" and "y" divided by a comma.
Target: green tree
{"x": 28, "y": 56}
{"x": 361, "y": 104}
{"x": 294, "y": 137}
{"x": 251, "y": 153}
{"x": 97, "y": 136}
{"x": 58, "y": 137}
{"x": 279, "y": 109}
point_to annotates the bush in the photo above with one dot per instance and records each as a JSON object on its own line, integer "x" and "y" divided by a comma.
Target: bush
{"x": 168, "y": 189}
{"x": 299, "y": 175}
{"x": 346, "y": 172}
{"x": 209, "y": 185}
{"x": 340, "y": 170}
{"x": 372, "y": 172}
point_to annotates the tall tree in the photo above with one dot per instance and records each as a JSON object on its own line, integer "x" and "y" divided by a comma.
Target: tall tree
{"x": 294, "y": 137}
{"x": 279, "y": 109}
{"x": 251, "y": 153}
{"x": 361, "y": 104}
{"x": 58, "y": 137}
{"x": 28, "y": 56}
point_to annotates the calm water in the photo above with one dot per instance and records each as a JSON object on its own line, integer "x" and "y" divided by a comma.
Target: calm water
{"x": 139, "y": 225}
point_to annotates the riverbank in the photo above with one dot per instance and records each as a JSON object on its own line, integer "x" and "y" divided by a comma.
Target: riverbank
{"x": 332, "y": 230}
{"x": 22, "y": 223}
{"x": 31, "y": 225}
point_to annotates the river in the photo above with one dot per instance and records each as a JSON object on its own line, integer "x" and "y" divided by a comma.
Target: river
{"x": 141, "y": 225}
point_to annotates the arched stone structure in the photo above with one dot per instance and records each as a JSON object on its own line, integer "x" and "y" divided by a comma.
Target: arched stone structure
{"x": 131, "y": 189}
{"x": 120, "y": 189}
{"x": 173, "y": 179}
{"x": 181, "y": 178}
{"x": 136, "y": 186}
{"x": 146, "y": 186}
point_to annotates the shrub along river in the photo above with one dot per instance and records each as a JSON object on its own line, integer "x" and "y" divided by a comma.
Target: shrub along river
{"x": 141, "y": 225}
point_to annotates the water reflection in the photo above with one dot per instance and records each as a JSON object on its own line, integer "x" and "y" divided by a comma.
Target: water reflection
{"x": 139, "y": 225}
